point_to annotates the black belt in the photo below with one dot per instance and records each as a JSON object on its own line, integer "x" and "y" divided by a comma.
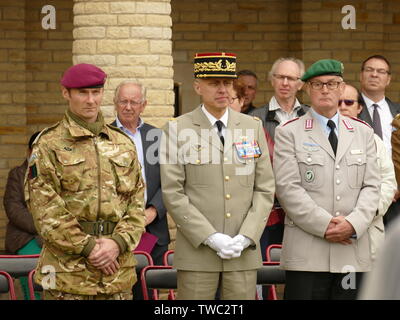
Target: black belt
{"x": 96, "y": 228}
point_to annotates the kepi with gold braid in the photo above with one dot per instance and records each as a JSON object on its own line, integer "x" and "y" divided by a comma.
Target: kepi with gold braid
{"x": 215, "y": 65}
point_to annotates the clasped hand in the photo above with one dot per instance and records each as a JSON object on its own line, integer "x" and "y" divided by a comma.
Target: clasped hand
{"x": 226, "y": 246}
{"x": 339, "y": 230}
{"x": 104, "y": 256}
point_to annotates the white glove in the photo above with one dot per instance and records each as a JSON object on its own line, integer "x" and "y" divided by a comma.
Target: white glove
{"x": 223, "y": 245}
{"x": 241, "y": 240}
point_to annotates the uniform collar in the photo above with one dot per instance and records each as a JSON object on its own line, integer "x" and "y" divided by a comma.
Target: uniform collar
{"x": 213, "y": 119}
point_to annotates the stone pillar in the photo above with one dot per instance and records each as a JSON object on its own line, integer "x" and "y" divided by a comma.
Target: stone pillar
{"x": 128, "y": 40}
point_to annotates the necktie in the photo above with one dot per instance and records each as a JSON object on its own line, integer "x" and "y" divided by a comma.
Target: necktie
{"x": 376, "y": 121}
{"x": 332, "y": 136}
{"x": 219, "y": 126}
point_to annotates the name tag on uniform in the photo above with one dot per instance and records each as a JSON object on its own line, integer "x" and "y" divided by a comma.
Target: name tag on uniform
{"x": 357, "y": 151}
{"x": 248, "y": 150}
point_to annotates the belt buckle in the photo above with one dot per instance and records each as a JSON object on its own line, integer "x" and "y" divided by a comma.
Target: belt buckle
{"x": 100, "y": 228}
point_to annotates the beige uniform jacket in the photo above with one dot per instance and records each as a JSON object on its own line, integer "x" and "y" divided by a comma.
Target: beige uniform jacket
{"x": 313, "y": 186}
{"x": 208, "y": 188}
{"x": 376, "y": 230}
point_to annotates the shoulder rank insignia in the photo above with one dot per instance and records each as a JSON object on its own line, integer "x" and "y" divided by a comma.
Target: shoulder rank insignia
{"x": 308, "y": 124}
{"x": 256, "y": 118}
{"x": 347, "y": 124}
{"x": 290, "y": 121}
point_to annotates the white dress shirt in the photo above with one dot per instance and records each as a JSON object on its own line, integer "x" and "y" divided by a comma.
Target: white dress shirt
{"x": 386, "y": 119}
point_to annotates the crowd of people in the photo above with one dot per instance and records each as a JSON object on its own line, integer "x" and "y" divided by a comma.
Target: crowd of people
{"x": 320, "y": 179}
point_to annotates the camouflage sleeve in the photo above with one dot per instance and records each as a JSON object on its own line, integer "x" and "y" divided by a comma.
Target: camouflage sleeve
{"x": 55, "y": 224}
{"x": 131, "y": 226}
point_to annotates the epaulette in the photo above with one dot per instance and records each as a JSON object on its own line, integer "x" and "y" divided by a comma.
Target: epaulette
{"x": 45, "y": 130}
{"x": 289, "y": 121}
{"x": 397, "y": 117}
{"x": 359, "y": 120}
{"x": 256, "y": 118}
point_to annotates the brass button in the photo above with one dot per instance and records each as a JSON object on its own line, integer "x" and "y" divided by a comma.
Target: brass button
{"x": 198, "y": 161}
{"x": 337, "y": 213}
{"x": 225, "y": 159}
{"x": 337, "y": 181}
{"x": 228, "y": 215}
{"x": 228, "y": 196}
{"x": 337, "y": 167}
{"x": 226, "y": 178}
{"x": 309, "y": 159}
{"x": 338, "y": 198}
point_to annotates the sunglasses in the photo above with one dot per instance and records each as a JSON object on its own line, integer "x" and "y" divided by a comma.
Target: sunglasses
{"x": 347, "y": 102}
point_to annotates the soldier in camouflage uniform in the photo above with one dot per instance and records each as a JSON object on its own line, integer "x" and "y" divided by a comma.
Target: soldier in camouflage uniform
{"x": 85, "y": 191}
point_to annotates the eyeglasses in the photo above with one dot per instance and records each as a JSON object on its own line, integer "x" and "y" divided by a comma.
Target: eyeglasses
{"x": 331, "y": 85}
{"x": 282, "y": 77}
{"x": 347, "y": 102}
{"x": 124, "y": 103}
{"x": 372, "y": 70}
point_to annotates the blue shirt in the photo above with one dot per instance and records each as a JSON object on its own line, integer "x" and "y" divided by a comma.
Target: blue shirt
{"x": 323, "y": 121}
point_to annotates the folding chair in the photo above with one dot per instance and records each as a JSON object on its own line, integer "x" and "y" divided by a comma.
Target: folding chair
{"x": 271, "y": 274}
{"x": 273, "y": 253}
{"x": 168, "y": 258}
{"x": 33, "y": 286}
{"x": 273, "y": 256}
{"x": 158, "y": 277}
{"x": 18, "y": 265}
{"x": 7, "y": 285}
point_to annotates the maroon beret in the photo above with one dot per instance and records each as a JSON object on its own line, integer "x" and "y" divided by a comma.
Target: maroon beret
{"x": 83, "y": 75}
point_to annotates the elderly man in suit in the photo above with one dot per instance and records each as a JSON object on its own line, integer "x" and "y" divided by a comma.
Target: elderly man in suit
{"x": 327, "y": 181}
{"x": 378, "y": 110}
{"x": 218, "y": 186}
{"x": 130, "y": 101}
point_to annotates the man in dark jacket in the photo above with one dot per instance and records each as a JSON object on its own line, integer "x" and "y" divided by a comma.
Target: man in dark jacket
{"x": 130, "y": 102}
{"x": 21, "y": 235}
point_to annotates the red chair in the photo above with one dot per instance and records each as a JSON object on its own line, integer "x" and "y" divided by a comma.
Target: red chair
{"x": 273, "y": 253}
{"x": 168, "y": 258}
{"x": 7, "y": 285}
{"x": 18, "y": 265}
{"x": 158, "y": 277}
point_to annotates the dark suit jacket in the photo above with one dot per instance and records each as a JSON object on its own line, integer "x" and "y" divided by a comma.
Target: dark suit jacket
{"x": 151, "y": 143}
{"x": 364, "y": 115}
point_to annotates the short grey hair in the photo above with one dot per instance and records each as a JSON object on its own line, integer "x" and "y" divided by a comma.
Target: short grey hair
{"x": 133, "y": 82}
{"x": 275, "y": 65}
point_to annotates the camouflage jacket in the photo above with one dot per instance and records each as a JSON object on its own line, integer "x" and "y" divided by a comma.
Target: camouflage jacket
{"x": 75, "y": 176}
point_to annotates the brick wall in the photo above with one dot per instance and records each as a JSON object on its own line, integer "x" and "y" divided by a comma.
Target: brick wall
{"x": 32, "y": 61}
{"x": 261, "y": 31}
{"x": 129, "y": 40}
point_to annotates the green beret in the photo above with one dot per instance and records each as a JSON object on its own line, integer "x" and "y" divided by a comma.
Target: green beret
{"x": 323, "y": 67}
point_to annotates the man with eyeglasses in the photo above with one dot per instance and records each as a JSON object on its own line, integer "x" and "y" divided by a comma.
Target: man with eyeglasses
{"x": 130, "y": 102}
{"x": 378, "y": 110}
{"x": 285, "y": 77}
{"x": 327, "y": 181}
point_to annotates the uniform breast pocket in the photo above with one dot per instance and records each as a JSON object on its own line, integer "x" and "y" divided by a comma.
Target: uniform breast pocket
{"x": 123, "y": 172}
{"x": 244, "y": 170}
{"x": 72, "y": 169}
{"x": 356, "y": 170}
{"x": 311, "y": 168}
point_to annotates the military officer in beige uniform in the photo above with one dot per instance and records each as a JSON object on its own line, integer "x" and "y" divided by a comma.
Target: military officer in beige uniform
{"x": 218, "y": 186}
{"x": 327, "y": 181}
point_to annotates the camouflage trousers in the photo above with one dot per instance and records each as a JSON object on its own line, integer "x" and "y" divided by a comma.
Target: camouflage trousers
{"x": 59, "y": 295}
